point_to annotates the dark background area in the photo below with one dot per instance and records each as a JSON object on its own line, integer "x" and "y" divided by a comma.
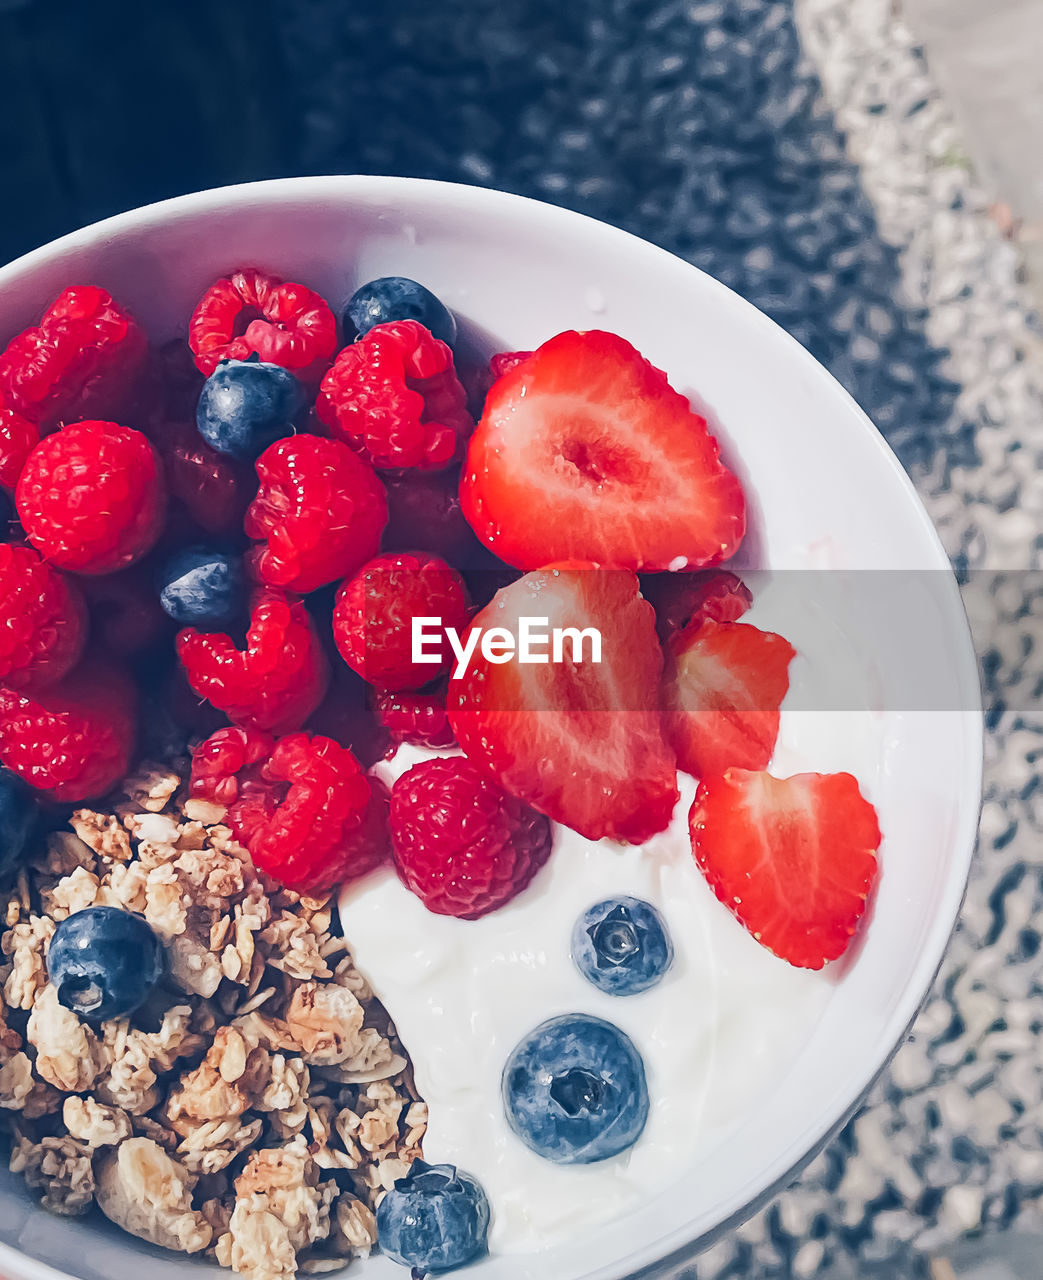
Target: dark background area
{"x": 693, "y": 123}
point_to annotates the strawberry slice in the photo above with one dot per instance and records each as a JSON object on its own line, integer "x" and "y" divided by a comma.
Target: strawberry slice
{"x": 722, "y": 690}
{"x": 793, "y": 859}
{"x": 578, "y": 740}
{"x": 585, "y": 452}
{"x": 685, "y": 600}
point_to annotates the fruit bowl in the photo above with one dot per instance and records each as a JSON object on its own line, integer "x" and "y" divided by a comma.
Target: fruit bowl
{"x": 837, "y": 533}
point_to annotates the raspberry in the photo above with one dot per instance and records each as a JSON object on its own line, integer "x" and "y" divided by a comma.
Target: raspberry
{"x": 373, "y": 617}
{"x": 214, "y": 490}
{"x": 225, "y": 768}
{"x": 18, "y": 438}
{"x": 276, "y": 682}
{"x": 462, "y": 845}
{"x": 424, "y": 515}
{"x": 75, "y": 739}
{"x": 301, "y": 805}
{"x": 481, "y": 378}
{"x": 321, "y": 509}
{"x": 126, "y": 616}
{"x": 419, "y": 718}
{"x": 369, "y": 846}
{"x": 684, "y": 601}
{"x": 395, "y": 398}
{"x": 250, "y": 312}
{"x": 505, "y": 361}
{"x": 84, "y": 359}
{"x": 92, "y": 498}
{"x": 43, "y": 621}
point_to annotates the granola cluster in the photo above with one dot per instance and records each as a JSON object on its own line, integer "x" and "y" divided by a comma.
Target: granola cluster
{"x": 259, "y": 1106}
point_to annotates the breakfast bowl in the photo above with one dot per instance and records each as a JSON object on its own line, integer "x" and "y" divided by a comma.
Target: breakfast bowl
{"x": 848, "y": 567}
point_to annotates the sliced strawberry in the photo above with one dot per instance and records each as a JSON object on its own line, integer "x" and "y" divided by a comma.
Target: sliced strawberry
{"x": 585, "y": 452}
{"x": 685, "y": 600}
{"x": 580, "y": 741}
{"x": 722, "y": 690}
{"x": 793, "y": 859}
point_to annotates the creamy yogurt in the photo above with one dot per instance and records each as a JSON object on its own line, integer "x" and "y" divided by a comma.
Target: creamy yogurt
{"x": 722, "y": 1026}
{"x": 726, "y": 1022}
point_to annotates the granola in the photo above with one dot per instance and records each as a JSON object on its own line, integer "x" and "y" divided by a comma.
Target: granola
{"x": 258, "y": 1108}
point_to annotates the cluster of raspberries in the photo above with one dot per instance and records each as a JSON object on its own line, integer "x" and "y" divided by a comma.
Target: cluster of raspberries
{"x": 348, "y": 526}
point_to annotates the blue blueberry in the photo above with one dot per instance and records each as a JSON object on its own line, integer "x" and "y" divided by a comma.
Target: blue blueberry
{"x": 621, "y": 945}
{"x": 574, "y": 1090}
{"x": 436, "y": 1218}
{"x": 203, "y": 587}
{"x": 18, "y": 813}
{"x": 104, "y": 962}
{"x": 246, "y": 405}
{"x": 396, "y": 298}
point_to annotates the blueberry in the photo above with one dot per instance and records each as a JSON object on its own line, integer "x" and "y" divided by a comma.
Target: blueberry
{"x": 246, "y": 405}
{"x": 621, "y": 945}
{"x": 436, "y": 1218}
{"x": 396, "y": 298}
{"x": 203, "y": 587}
{"x": 18, "y": 814}
{"x": 104, "y": 962}
{"x": 574, "y": 1090}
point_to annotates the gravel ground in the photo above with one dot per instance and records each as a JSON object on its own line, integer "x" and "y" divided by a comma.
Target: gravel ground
{"x": 951, "y": 1141}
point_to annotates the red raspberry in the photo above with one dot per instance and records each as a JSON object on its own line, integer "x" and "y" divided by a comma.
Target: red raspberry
{"x": 301, "y": 805}
{"x": 276, "y": 682}
{"x": 213, "y": 489}
{"x": 126, "y": 616}
{"x": 226, "y": 767}
{"x": 483, "y": 377}
{"x": 505, "y": 361}
{"x": 462, "y": 845}
{"x": 91, "y": 498}
{"x": 321, "y": 509}
{"x": 250, "y": 312}
{"x": 373, "y": 617}
{"x": 18, "y": 438}
{"x": 75, "y": 739}
{"x": 424, "y": 515}
{"x": 419, "y": 718}
{"x": 84, "y": 359}
{"x": 370, "y": 846}
{"x": 395, "y": 398}
{"x": 43, "y": 620}
{"x": 684, "y": 601}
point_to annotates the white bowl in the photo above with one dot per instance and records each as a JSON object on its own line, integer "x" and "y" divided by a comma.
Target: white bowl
{"x": 827, "y": 491}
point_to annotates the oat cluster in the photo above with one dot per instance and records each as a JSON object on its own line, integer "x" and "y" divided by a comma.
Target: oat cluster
{"x": 259, "y": 1106}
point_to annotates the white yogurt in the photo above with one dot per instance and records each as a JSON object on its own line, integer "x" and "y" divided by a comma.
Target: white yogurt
{"x": 725, "y": 1022}
{"x": 722, "y": 1027}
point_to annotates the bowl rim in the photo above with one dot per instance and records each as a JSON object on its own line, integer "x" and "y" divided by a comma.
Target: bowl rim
{"x": 677, "y": 1246}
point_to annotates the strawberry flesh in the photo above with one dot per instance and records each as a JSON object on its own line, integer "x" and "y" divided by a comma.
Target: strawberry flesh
{"x": 585, "y": 452}
{"x": 793, "y": 859}
{"x": 722, "y": 690}
{"x": 580, "y": 741}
